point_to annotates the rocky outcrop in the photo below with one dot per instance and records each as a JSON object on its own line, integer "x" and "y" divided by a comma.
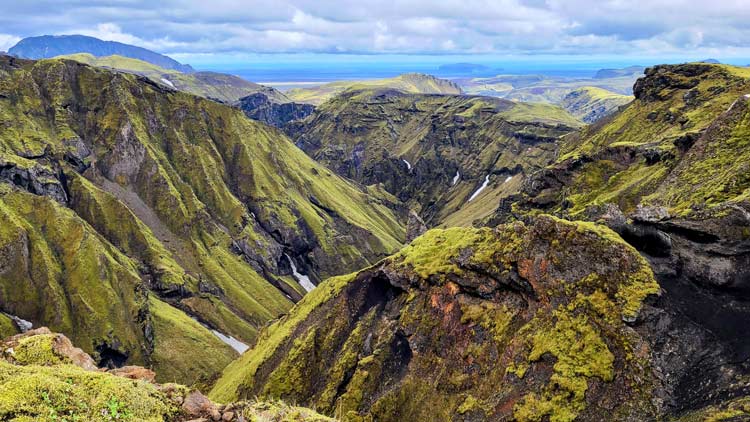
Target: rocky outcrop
{"x": 669, "y": 174}
{"x": 44, "y": 377}
{"x": 522, "y": 322}
{"x": 264, "y": 109}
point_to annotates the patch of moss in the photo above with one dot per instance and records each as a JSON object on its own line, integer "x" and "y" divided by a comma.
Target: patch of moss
{"x": 67, "y": 392}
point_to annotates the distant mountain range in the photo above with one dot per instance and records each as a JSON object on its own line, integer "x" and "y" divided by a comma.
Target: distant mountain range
{"x": 48, "y": 46}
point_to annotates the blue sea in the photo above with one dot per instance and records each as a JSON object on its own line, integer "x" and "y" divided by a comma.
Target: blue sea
{"x": 289, "y": 70}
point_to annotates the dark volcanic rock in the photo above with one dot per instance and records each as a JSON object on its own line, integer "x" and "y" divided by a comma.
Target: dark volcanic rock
{"x": 262, "y": 108}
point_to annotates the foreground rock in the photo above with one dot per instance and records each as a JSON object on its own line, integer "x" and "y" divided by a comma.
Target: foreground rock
{"x": 526, "y": 323}
{"x": 43, "y": 377}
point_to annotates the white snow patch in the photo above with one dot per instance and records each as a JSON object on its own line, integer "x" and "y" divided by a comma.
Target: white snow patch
{"x": 481, "y": 188}
{"x": 456, "y": 178}
{"x": 237, "y": 345}
{"x": 507, "y": 179}
{"x": 22, "y": 324}
{"x": 747, "y": 95}
{"x": 408, "y": 164}
{"x": 168, "y": 82}
{"x": 303, "y": 280}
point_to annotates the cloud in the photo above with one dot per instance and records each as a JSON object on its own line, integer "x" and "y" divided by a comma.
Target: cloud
{"x": 198, "y": 28}
{"x": 8, "y": 41}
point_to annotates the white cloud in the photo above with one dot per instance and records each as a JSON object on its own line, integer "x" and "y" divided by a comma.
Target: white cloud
{"x": 396, "y": 26}
{"x": 8, "y": 41}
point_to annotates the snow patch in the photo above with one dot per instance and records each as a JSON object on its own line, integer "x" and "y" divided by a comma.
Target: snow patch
{"x": 408, "y": 164}
{"x": 747, "y": 95}
{"x": 303, "y": 280}
{"x": 21, "y": 323}
{"x": 481, "y": 188}
{"x": 507, "y": 179}
{"x": 456, "y": 178}
{"x": 235, "y": 344}
{"x": 168, "y": 82}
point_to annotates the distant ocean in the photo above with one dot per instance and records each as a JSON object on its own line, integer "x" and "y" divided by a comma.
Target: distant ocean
{"x": 286, "y": 71}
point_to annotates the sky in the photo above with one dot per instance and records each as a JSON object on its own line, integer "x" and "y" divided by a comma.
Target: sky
{"x": 208, "y": 32}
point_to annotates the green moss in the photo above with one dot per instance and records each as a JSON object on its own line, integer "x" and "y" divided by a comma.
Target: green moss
{"x": 176, "y": 336}
{"x": 242, "y": 370}
{"x": 434, "y": 252}
{"x": 37, "y": 350}
{"x": 70, "y": 393}
{"x": 7, "y": 327}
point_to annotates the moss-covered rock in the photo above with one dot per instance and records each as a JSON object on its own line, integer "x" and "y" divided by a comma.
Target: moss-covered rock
{"x": 515, "y": 323}
{"x": 44, "y": 377}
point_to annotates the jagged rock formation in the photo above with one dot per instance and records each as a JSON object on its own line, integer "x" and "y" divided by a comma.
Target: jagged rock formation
{"x": 49, "y": 46}
{"x": 434, "y": 151}
{"x": 669, "y": 173}
{"x": 128, "y": 209}
{"x": 522, "y": 322}
{"x": 261, "y": 107}
{"x": 411, "y": 83}
{"x": 591, "y": 103}
{"x": 44, "y": 377}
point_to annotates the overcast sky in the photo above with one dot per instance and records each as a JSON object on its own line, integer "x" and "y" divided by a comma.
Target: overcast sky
{"x": 194, "y": 29}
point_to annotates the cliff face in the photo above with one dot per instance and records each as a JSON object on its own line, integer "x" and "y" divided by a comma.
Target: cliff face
{"x": 266, "y": 109}
{"x": 591, "y": 103}
{"x": 669, "y": 174}
{"x": 128, "y": 208}
{"x": 434, "y": 151}
{"x": 522, "y": 322}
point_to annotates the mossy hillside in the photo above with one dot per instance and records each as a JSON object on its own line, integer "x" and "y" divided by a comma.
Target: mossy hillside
{"x": 521, "y": 322}
{"x": 59, "y": 270}
{"x": 662, "y": 149}
{"x": 370, "y": 135}
{"x": 414, "y": 83}
{"x": 183, "y": 349}
{"x": 592, "y": 103}
{"x": 198, "y": 198}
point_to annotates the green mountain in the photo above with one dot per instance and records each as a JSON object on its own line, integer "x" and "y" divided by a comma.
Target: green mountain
{"x": 434, "y": 152}
{"x": 217, "y": 86}
{"x": 137, "y": 219}
{"x": 413, "y": 83}
{"x": 49, "y": 46}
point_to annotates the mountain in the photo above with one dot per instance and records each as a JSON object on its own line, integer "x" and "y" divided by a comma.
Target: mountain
{"x": 217, "y": 86}
{"x": 616, "y": 73}
{"x": 415, "y": 83}
{"x": 521, "y": 322}
{"x": 150, "y": 225}
{"x": 591, "y": 103}
{"x": 434, "y": 151}
{"x": 49, "y": 46}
